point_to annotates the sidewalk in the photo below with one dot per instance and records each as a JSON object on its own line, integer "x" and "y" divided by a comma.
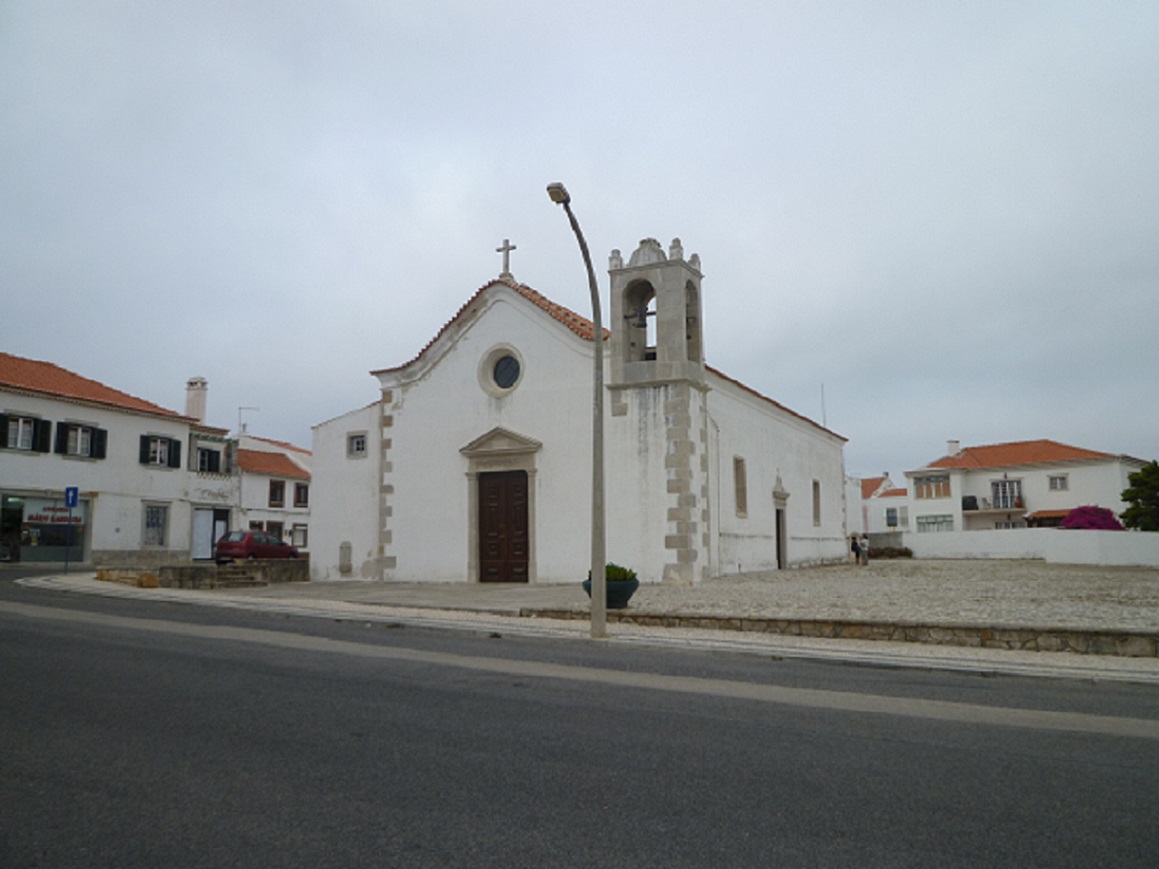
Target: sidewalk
{"x": 998, "y": 595}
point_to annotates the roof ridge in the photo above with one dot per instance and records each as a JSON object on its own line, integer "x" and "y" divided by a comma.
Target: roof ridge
{"x": 577, "y": 323}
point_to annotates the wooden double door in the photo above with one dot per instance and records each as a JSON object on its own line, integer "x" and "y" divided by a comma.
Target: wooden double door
{"x": 504, "y": 550}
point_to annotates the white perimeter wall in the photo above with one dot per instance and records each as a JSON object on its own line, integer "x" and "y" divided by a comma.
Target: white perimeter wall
{"x": 1061, "y": 546}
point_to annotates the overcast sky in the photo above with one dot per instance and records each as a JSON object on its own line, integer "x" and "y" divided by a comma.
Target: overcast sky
{"x": 917, "y": 221}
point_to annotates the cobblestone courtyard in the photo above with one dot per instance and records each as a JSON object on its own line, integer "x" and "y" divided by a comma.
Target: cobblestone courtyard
{"x": 991, "y": 593}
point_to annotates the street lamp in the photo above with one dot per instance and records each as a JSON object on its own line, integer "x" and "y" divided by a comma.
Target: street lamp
{"x": 559, "y": 195}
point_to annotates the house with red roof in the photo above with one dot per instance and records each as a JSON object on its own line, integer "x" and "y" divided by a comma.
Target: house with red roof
{"x": 1020, "y": 484}
{"x": 92, "y": 474}
{"x": 474, "y": 461}
{"x": 877, "y": 505}
{"x": 273, "y": 488}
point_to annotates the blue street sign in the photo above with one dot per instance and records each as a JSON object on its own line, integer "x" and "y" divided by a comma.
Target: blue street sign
{"x": 70, "y": 496}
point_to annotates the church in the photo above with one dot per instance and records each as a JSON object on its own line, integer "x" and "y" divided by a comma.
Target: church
{"x": 474, "y": 463}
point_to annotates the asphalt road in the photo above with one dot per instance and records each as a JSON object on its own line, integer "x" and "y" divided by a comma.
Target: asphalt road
{"x": 144, "y": 734}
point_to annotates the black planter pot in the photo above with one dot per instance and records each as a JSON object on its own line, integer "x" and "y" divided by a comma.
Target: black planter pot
{"x": 619, "y": 592}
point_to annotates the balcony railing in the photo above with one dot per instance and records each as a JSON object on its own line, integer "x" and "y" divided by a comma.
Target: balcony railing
{"x": 972, "y": 503}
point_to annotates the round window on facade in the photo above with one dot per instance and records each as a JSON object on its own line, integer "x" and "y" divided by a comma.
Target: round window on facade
{"x": 506, "y": 371}
{"x": 500, "y": 370}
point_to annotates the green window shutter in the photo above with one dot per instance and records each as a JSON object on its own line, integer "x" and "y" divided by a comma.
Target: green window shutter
{"x": 99, "y": 443}
{"x": 42, "y": 435}
{"x": 144, "y": 449}
{"x": 62, "y": 437}
{"x": 174, "y": 453}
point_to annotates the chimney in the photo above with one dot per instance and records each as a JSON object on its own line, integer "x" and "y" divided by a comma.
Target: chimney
{"x": 953, "y": 448}
{"x": 196, "y": 392}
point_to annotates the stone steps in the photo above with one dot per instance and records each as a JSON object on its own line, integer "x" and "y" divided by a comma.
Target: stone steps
{"x": 237, "y": 575}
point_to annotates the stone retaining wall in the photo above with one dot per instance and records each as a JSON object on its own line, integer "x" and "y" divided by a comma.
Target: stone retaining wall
{"x": 1127, "y": 645}
{"x": 257, "y": 572}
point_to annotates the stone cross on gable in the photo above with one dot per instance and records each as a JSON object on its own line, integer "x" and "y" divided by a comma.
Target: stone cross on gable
{"x": 506, "y": 249}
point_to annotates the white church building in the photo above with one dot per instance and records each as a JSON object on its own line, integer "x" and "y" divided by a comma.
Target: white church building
{"x": 474, "y": 463}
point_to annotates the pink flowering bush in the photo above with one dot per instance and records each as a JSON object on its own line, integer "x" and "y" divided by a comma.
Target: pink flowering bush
{"x": 1095, "y": 518}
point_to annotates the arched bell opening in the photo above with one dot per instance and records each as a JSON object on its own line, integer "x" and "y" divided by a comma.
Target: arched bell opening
{"x": 640, "y": 321}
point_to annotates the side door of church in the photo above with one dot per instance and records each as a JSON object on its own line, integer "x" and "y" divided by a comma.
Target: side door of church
{"x": 503, "y": 527}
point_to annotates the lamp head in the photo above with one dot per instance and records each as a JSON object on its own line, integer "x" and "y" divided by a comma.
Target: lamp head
{"x": 558, "y": 193}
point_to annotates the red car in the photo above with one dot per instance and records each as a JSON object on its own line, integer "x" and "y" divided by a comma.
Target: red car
{"x": 240, "y": 545}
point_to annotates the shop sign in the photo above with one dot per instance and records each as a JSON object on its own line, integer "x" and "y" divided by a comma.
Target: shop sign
{"x": 41, "y": 512}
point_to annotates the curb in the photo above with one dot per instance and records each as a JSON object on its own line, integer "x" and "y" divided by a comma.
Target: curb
{"x": 1083, "y": 642}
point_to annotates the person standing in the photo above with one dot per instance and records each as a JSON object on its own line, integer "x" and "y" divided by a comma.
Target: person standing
{"x": 855, "y": 548}
{"x": 864, "y": 547}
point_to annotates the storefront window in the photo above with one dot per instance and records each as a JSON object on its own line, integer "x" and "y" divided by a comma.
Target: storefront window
{"x": 39, "y": 529}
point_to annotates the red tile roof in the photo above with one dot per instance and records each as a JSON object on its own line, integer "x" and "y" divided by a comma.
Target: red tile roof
{"x": 870, "y": 485}
{"x": 281, "y": 444}
{"x": 45, "y": 378}
{"x": 1016, "y": 453}
{"x": 269, "y": 464}
{"x": 583, "y": 327}
{"x": 578, "y": 324}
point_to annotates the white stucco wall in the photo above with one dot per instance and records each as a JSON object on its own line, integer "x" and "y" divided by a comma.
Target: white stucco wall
{"x": 429, "y": 527}
{"x": 343, "y": 495}
{"x": 773, "y": 441}
{"x": 637, "y": 482}
{"x": 1055, "y": 545}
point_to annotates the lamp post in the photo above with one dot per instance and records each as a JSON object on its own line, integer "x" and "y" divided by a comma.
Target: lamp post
{"x": 559, "y": 195}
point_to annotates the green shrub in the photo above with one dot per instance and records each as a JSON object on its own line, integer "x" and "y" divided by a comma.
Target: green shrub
{"x": 616, "y": 573}
{"x": 891, "y": 552}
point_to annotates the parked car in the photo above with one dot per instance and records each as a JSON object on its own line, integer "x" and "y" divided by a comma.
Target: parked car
{"x": 240, "y": 545}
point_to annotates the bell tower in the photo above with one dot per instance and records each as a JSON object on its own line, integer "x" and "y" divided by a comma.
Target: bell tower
{"x": 659, "y": 394}
{"x": 657, "y": 334}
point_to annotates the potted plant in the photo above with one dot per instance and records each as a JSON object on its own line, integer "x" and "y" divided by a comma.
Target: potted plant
{"x": 621, "y": 584}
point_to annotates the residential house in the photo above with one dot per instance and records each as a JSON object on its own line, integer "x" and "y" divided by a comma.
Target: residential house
{"x": 1014, "y": 485}
{"x": 883, "y": 506}
{"x": 151, "y": 485}
{"x": 274, "y": 488}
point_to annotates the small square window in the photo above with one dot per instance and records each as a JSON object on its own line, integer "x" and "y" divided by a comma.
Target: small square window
{"x": 356, "y": 444}
{"x": 25, "y": 433}
{"x": 20, "y": 433}
{"x": 277, "y": 493}
{"x": 158, "y": 451}
{"x": 208, "y": 460}
{"x": 301, "y": 495}
{"x": 156, "y": 524}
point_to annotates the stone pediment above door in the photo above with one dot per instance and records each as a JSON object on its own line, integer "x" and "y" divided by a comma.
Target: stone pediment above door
{"x": 501, "y": 442}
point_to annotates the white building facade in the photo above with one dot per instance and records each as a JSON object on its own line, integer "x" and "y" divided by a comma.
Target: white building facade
{"x": 877, "y": 506}
{"x": 475, "y": 462}
{"x": 152, "y": 486}
{"x": 1014, "y": 485}
{"x": 273, "y": 488}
